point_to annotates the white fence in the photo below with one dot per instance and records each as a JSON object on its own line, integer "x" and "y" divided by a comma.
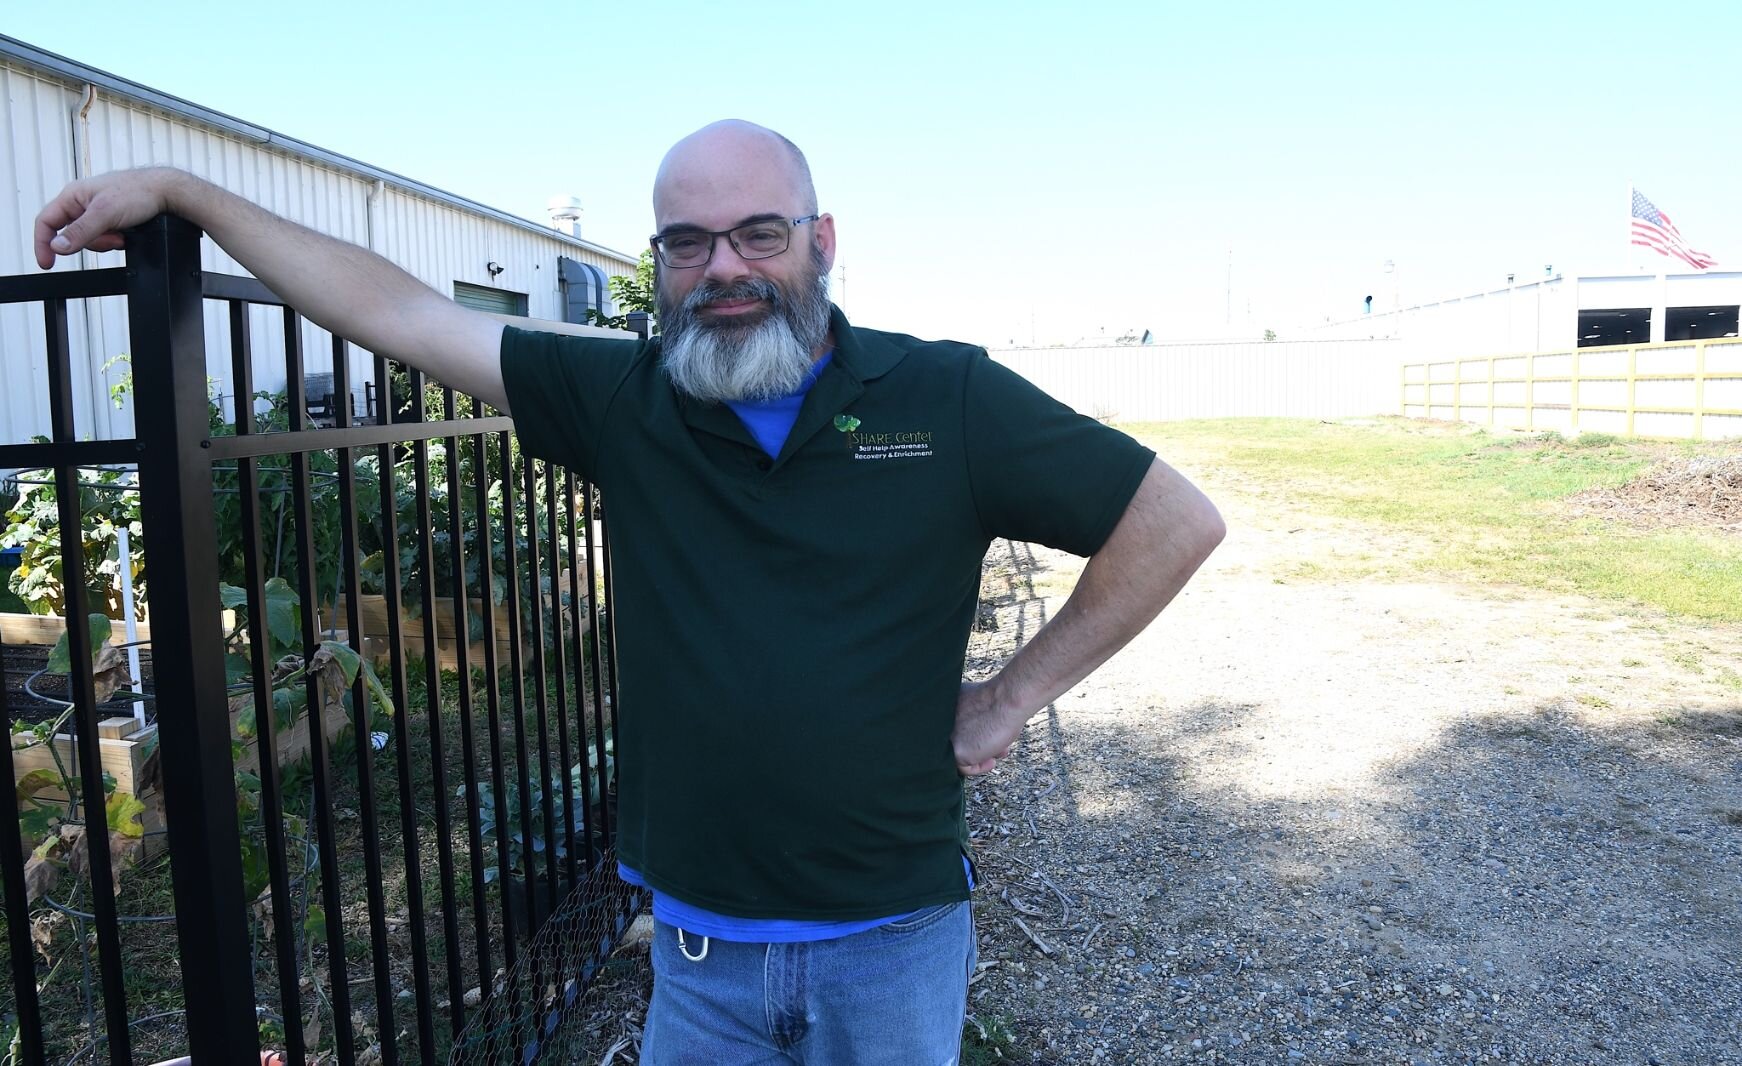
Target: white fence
{"x": 1163, "y": 382}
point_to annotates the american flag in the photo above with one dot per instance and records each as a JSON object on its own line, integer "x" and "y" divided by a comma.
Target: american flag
{"x": 1653, "y": 229}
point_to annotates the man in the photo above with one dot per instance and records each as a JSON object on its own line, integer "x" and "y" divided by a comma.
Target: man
{"x": 800, "y": 508}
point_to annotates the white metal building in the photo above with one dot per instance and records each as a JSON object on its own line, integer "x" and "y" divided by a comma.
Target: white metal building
{"x": 1557, "y": 313}
{"x": 64, "y": 120}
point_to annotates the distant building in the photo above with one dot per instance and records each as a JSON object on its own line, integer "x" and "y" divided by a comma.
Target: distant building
{"x": 67, "y": 120}
{"x": 1559, "y": 313}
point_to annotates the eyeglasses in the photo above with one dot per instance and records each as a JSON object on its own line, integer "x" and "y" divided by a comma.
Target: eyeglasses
{"x": 752, "y": 240}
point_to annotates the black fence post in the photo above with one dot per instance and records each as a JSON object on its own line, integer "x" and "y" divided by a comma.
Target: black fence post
{"x": 641, "y": 324}
{"x": 167, "y": 329}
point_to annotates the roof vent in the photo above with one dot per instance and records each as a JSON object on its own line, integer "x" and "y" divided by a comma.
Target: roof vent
{"x": 565, "y": 214}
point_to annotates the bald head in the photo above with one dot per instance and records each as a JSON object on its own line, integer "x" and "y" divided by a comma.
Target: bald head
{"x": 726, "y": 165}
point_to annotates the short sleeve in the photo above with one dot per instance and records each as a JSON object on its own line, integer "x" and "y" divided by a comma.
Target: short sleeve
{"x": 559, "y": 389}
{"x": 1040, "y": 471}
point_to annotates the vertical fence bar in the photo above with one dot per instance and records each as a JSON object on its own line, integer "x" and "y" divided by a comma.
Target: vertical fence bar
{"x": 517, "y": 675}
{"x": 260, "y": 665}
{"x": 20, "y": 949}
{"x": 576, "y": 656}
{"x": 391, "y": 583}
{"x": 362, "y": 704}
{"x": 167, "y": 333}
{"x": 596, "y": 661}
{"x": 87, "y": 754}
{"x": 463, "y": 667}
{"x": 610, "y": 623}
{"x": 558, "y": 664}
{"x": 493, "y": 680}
{"x": 536, "y": 604}
{"x": 320, "y": 757}
{"x": 433, "y": 690}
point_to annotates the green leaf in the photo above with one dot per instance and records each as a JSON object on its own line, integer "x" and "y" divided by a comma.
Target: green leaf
{"x": 283, "y": 619}
{"x": 245, "y": 720}
{"x": 36, "y": 821}
{"x": 231, "y": 596}
{"x": 37, "y": 780}
{"x": 236, "y": 669}
{"x": 60, "y": 660}
{"x": 377, "y": 691}
{"x": 315, "y": 925}
{"x": 124, "y": 810}
{"x": 287, "y": 704}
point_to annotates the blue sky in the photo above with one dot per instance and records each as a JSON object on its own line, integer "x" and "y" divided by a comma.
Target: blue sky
{"x": 1014, "y": 171}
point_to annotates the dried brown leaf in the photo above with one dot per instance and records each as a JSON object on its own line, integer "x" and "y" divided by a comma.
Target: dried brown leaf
{"x": 40, "y": 875}
{"x": 109, "y": 671}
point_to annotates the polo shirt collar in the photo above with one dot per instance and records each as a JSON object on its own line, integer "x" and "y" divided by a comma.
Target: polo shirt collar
{"x": 858, "y": 358}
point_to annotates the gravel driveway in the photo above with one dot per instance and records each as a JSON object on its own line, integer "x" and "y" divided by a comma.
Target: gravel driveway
{"x": 1311, "y": 821}
{"x": 1365, "y": 823}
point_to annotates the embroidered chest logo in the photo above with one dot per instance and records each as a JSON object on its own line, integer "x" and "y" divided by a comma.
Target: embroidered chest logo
{"x": 869, "y": 446}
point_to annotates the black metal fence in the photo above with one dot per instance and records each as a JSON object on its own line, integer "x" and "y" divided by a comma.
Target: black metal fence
{"x": 379, "y": 714}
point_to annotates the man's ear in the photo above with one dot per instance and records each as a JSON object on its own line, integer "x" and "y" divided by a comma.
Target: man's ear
{"x": 825, "y": 238}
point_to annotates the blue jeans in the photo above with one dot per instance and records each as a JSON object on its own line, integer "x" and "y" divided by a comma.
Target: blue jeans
{"x": 892, "y": 995}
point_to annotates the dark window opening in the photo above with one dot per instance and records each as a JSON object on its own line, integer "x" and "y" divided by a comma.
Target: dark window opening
{"x": 1699, "y": 323}
{"x": 484, "y": 298}
{"x": 1616, "y": 325}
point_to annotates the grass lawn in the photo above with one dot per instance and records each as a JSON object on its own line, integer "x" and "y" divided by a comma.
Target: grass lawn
{"x": 1479, "y": 506}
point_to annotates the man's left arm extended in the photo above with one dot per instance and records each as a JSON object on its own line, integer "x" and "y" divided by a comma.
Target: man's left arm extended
{"x": 1167, "y": 531}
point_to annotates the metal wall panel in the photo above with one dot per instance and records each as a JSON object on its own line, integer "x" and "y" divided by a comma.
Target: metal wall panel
{"x": 36, "y": 130}
{"x": 437, "y": 242}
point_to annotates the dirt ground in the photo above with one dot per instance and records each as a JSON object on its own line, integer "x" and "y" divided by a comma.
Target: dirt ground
{"x": 1309, "y": 821}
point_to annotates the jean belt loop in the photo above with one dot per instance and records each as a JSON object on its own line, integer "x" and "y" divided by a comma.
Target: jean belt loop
{"x": 685, "y": 948}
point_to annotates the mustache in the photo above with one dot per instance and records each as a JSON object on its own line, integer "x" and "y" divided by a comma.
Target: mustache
{"x": 710, "y": 292}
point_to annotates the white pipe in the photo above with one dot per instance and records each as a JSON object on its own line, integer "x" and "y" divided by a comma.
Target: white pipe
{"x": 131, "y": 618}
{"x": 88, "y": 259}
{"x": 369, "y": 212}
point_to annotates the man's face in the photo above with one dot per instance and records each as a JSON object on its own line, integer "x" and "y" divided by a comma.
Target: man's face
{"x": 737, "y": 328}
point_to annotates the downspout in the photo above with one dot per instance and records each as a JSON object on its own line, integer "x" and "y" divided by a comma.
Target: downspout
{"x": 383, "y": 389}
{"x": 369, "y": 212}
{"x": 87, "y": 258}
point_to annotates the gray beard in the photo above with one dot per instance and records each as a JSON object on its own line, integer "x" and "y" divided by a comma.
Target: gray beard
{"x": 717, "y": 361}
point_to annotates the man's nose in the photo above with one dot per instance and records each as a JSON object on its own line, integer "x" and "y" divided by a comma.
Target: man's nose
{"x": 725, "y": 264}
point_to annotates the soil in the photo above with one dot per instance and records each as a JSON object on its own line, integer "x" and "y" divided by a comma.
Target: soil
{"x": 33, "y": 696}
{"x": 1703, "y": 491}
{"x": 1330, "y": 821}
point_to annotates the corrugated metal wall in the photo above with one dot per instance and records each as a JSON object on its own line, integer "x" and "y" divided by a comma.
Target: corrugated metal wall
{"x": 1162, "y": 382}
{"x": 437, "y": 242}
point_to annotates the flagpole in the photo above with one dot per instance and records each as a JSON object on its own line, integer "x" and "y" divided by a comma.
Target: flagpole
{"x": 1638, "y": 263}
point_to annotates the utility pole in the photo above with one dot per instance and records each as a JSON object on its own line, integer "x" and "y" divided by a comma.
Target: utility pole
{"x": 1228, "y": 317}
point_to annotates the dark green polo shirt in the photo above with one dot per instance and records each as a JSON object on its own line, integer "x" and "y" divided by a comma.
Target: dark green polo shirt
{"x": 791, "y": 632}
